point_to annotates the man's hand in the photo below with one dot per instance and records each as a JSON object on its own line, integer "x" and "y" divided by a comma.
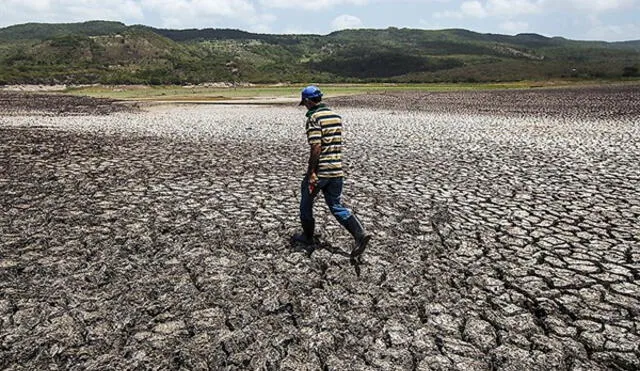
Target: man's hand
{"x": 313, "y": 181}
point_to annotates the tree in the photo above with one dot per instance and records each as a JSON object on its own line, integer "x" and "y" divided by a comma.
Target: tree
{"x": 631, "y": 71}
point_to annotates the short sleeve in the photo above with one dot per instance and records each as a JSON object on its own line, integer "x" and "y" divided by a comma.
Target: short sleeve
{"x": 314, "y": 131}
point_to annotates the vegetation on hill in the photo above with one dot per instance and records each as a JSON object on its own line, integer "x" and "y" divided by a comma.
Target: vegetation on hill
{"x": 41, "y": 31}
{"x": 111, "y": 52}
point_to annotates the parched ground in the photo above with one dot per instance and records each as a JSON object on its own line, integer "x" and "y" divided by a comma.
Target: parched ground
{"x": 586, "y": 102}
{"x": 14, "y": 103}
{"x": 505, "y": 237}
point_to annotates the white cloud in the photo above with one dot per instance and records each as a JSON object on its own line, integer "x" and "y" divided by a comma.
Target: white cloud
{"x": 346, "y": 21}
{"x": 622, "y": 32}
{"x": 592, "y": 5}
{"x": 516, "y": 7}
{"x": 492, "y": 8}
{"x": 513, "y": 7}
{"x": 206, "y": 13}
{"x": 118, "y": 10}
{"x": 473, "y": 9}
{"x": 200, "y": 8}
{"x": 514, "y": 27}
{"x": 35, "y": 5}
{"x": 448, "y": 14}
{"x": 317, "y": 4}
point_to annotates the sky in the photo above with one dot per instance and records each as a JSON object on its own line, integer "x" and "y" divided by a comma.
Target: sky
{"x": 608, "y": 20}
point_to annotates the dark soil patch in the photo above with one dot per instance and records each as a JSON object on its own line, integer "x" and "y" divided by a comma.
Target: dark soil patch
{"x": 20, "y": 103}
{"x": 613, "y": 101}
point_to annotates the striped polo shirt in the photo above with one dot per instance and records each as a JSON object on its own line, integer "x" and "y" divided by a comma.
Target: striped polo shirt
{"x": 324, "y": 127}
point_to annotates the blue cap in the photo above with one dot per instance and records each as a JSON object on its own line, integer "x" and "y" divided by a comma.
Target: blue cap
{"x": 309, "y": 92}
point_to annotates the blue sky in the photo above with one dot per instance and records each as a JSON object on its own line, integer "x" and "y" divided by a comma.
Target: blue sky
{"x": 610, "y": 20}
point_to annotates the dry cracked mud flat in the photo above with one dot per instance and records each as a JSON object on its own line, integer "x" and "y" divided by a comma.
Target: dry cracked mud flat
{"x": 505, "y": 236}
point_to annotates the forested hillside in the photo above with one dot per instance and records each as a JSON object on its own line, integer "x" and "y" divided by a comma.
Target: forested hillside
{"x": 112, "y": 52}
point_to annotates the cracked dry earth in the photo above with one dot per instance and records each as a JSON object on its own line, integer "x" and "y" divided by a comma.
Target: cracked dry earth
{"x": 159, "y": 240}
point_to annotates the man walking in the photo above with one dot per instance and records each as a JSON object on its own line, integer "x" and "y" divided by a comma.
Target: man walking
{"x": 324, "y": 134}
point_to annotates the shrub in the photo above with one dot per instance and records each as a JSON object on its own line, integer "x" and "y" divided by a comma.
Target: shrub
{"x": 631, "y": 71}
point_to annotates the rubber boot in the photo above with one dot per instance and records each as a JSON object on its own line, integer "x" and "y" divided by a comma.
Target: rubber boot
{"x": 354, "y": 227}
{"x": 306, "y": 237}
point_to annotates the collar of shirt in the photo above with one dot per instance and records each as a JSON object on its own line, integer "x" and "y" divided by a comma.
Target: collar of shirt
{"x": 314, "y": 109}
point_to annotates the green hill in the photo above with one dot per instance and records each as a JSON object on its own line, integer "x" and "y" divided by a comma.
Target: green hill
{"x": 111, "y": 52}
{"x": 41, "y": 31}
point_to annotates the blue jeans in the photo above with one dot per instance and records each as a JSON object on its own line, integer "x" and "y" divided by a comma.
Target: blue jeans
{"x": 332, "y": 191}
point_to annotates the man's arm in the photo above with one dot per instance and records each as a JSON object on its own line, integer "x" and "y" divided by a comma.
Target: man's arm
{"x": 314, "y": 137}
{"x": 314, "y": 159}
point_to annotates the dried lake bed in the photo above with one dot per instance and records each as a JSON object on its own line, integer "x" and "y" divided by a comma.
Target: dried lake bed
{"x": 505, "y": 226}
